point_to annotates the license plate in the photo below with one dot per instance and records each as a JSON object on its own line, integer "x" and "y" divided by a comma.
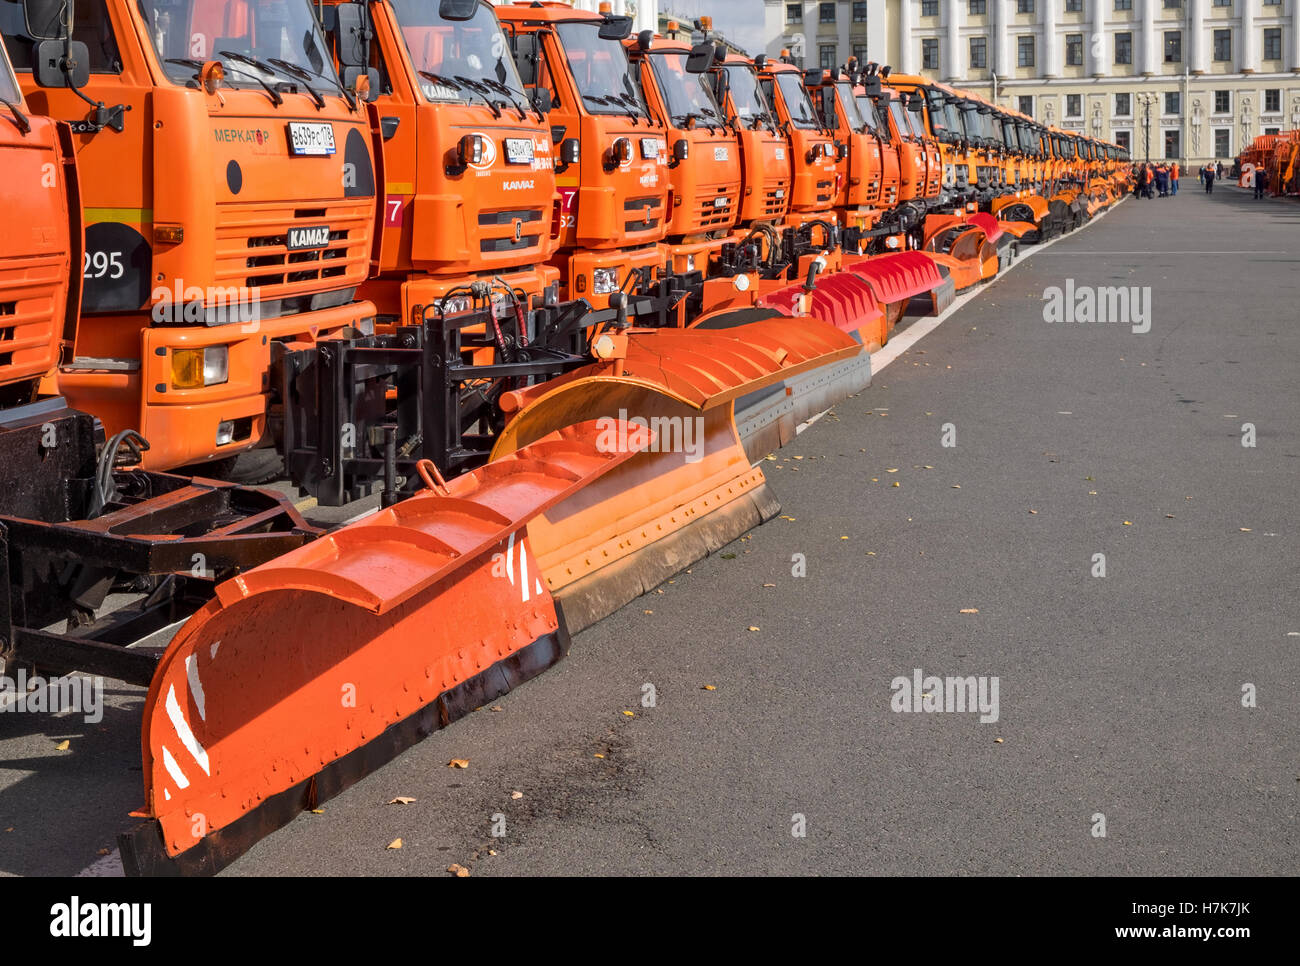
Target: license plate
{"x": 719, "y": 154}
{"x": 519, "y": 150}
{"x": 780, "y": 193}
{"x": 649, "y": 148}
{"x": 311, "y": 140}
{"x": 780, "y": 154}
{"x": 301, "y": 239}
{"x": 720, "y": 202}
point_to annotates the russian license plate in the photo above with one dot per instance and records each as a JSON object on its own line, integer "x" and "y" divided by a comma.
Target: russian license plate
{"x": 301, "y": 239}
{"x": 649, "y": 148}
{"x": 311, "y": 140}
{"x": 720, "y": 201}
{"x": 719, "y": 154}
{"x": 519, "y": 150}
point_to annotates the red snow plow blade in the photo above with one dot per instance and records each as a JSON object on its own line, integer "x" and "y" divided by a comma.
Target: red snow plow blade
{"x": 963, "y": 247}
{"x": 897, "y": 278}
{"x": 843, "y": 299}
{"x": 307, "y": 673}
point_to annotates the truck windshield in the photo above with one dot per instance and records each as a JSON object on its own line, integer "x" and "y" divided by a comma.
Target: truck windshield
{"x": 867, "y": 108}
{"x": 940, "y": 122}
{"x": 747, "y": 99}
{"x": 857, "y": 122}
{"x": 90, "y": 25}
{"x": 687, "y": 95}
{"x": 463, "y": 60}
{"x": 257, "y": 41}
{"x": 801, "y": 110}
{"x": 901, "y": 120}
{"x": 8, "y": 86}
{"x": 600, "y": 69}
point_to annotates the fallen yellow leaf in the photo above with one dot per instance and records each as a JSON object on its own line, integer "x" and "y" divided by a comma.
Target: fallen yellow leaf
{"x": 1033, "y": 511}
{"x": 896, "y": 483}
{"x": 647, "y": 612}
{"x": 753, "y": 628}
{"x": 458, "y": 870}
{"x": 1128, "y": 523}
{"x": 709, "y": 687}
{"x": 970, "y": 610}
{"x": 63, "y": 745}
{"x": 318, "y": 811}
{"x": 516, "y": 795}
{"x": 629, "y": 714}
{"x": 894, "y": 470}
{"x": 458, "y": 763}
{"x": 395, "y": 844}
{"x": 769, "y": 585}
{"x": 401, "y": 800}
{"x": 844, "y": 538}
{"x": 598, "y": 755}
{"x": 998, "y": 740}
{"x": 1242, "y": 529}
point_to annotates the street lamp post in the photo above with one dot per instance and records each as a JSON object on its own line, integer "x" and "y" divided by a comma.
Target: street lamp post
{"x": 1147, "y": 99}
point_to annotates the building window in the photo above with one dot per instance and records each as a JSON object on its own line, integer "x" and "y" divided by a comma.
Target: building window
{"x": 794, "y": 13}
{"x": 1025, "y": 51}
{"x": 1026, "y": 104}
{"x": 826, "y": 12}
{"x": 1173, "y": 46}
{"x": 929, "y": 53}
{"x": 1123, "y": 139}
{"x": 929, "y": 8}
{"x": 826, "y": 56}
{"x": 1173, "y": 102}
{"x": 1223, "y": 45}
{"x": 860, "y": 11}
{"x": 1123, "y": 4}
{"x": 1273, "y": 43}
{"x": 1223, "y": 3}
{"x": 1272, "y": 100}
{"x": 1124, "y": 48}
{"x": 1173, "y": 4}
{"x": 1272, "y": 130}
{"x": 979, "y": 53}
{"x": 1223, "y": 102}
{"x": 1074, "y": 105}
{"x": 978, "y": 8}
{"x": 1173, "y": 145}
{"x": 1124, "y": 105}
{"x": 1272, "y": 3}
{"x": 1024, "y": 6}
{"x": 860, "y": 53}
{"x": 1074, "y": 6}
{"x": 1222, "y": 142}
{"x": 1074, "y": 50}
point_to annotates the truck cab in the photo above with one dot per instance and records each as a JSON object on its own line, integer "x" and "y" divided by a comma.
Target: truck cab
{"x": 228, "y": 191}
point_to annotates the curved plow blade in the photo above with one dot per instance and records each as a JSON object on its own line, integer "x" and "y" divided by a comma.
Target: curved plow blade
{"x": 694, "y": 490}
{"x": 899, "y": 277}
{"x": 966, "y": 252}
{"x": 843, "y": 299}
{"x": 307, "y": 673}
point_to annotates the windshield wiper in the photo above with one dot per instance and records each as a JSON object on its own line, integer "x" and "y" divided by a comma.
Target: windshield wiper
{"x": 293, "y": 70}
{"x": 438, "y": 79}
{"x": 509, "y": 92}
{"x": 474, "y": 87}
{"x": 24, "y": 125}
{"x": 276, "y": 99}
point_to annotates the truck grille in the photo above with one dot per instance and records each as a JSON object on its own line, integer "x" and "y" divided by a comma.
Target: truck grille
{"x": 711, "y": 215}
{"x": 32, "y": 306}
{"x": 648, "y": 212}
{"x": 498, "y": 233}
{"x": 252, "y": 248}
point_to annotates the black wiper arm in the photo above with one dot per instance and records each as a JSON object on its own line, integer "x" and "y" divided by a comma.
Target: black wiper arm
{"x": 24, "y": 125}
{"x": 439, "y": 79}
{"x": 276, "y": 99}
{"x": 481, "y": 90}
{"x": 293, "y": 70}
{"x": 509, "y": 92}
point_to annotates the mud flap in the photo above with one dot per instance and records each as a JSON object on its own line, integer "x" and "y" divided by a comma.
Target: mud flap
{"x": 305, "y": 674}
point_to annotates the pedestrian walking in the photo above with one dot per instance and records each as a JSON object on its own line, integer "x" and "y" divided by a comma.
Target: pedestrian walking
{"x": 1207, "y": 175}
{"x": 1218, "y": 169}
{"x": 1162, "y": 180}
{"x": 1173, "y": 177}
{"x": 1261, "y": 182}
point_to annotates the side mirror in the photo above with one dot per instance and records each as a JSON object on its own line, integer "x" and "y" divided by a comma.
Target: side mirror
{"x": 543, "y": 100}
{"x": 352, "y": 32}
{"x": 570, "y": 151}
{"x": 681, "y": 150}
{"x": 700, "y": 58}
{"x": 353, "y": 78}
{"x": 54, "y": 69}
{"x": 611, "y": 28}
{"x": 456, "y": 10}
{"x": 44, "y": 19}
{"x": 644, "y": 38}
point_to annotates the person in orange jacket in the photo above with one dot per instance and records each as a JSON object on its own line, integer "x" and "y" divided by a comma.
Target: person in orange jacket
{"x": 1173, "y": 177}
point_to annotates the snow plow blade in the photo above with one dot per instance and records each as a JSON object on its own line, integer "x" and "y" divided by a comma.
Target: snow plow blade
{"x": 694, "y": 490}
{"x": 899, "y": 277}
{"x": 305, "y": 674}
{"x": 963, "y": 247}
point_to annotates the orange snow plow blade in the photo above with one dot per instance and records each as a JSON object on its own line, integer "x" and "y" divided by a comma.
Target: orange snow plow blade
{"x": 307, "y": 673}
{"x": 694, "y": 490}
{"x": 963, "y": 247}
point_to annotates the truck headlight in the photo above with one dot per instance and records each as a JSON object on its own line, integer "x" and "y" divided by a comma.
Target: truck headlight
{"x": 196, "y": 368}
{"x": 604, "y": 281}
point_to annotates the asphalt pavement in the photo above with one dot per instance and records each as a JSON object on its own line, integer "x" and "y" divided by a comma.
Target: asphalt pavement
{"x": 1146, "y": 721}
